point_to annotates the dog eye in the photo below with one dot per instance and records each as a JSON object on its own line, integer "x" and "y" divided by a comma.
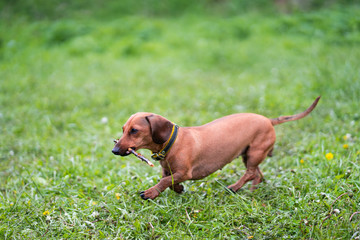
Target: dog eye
{"x": 133, "y": 131}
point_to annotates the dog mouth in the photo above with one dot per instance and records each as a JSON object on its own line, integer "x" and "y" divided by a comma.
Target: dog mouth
{"x": 128, "y": 152}
{"x": 121, "y": 152}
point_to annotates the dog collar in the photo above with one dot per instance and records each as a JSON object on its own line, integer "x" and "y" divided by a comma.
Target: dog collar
{"x": 169, "y": 143}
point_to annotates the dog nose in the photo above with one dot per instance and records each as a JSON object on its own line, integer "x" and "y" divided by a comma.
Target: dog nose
{"x": 116, "y": 151}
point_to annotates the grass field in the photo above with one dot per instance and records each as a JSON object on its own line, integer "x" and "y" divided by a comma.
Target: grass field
{"x": 67, "y": 86}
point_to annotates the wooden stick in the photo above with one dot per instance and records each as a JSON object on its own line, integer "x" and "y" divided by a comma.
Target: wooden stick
{"x": 141, "y": 157}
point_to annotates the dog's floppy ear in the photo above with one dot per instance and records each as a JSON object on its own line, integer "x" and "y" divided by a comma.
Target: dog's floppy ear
{"x": 160, "y": 128}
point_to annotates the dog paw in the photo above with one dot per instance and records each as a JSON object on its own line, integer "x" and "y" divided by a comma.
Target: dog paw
{"x": 151, "y": 193}
{"x": 142, "y": 195}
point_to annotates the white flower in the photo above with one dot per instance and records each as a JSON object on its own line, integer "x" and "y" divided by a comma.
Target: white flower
{"x": 336, "y": 211}
{"x": 104, "y": 120}
{"x": 90, "y": 223}
{"x": 94, "y": 214}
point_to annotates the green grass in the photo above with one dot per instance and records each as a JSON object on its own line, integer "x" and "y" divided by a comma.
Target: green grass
{"x": 59, "y": 78}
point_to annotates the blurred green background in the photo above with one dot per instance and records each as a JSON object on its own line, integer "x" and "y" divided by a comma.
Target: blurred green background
{"x": 72, "y": 72}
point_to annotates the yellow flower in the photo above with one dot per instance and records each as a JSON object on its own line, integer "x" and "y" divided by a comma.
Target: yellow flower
{"x": 250, "y": 237}
{"x": 346, "y": 146}
{"x": 117, "y": 195}
{"x": 46, "y": 213}
{"x": 94, "y": 203}
{"x": 302, "y": 161}
{"x": 329, "y": 156}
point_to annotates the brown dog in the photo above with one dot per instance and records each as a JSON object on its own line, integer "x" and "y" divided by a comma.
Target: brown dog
{"x": 195, "y": 152}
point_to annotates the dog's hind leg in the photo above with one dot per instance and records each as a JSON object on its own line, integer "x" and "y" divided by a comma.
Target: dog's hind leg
{"x": 254, "y": 156}
{"x": 249, "y": 175}
{"x": 258, "y": 179}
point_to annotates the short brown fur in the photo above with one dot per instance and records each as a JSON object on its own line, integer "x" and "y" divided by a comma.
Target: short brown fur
{"x": 200, "y": 151}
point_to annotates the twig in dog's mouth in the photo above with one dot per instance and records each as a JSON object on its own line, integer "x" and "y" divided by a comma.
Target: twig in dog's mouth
{"x": 138, "y": 155}
{"x": 141, "y": 157}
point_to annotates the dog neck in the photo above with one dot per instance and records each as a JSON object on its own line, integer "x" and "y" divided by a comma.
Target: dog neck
{"x": 160, "y": 155}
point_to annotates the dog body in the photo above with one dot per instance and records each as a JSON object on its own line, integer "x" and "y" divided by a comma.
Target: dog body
{"x": 200, "y": 151}
{"x": 217, "y": 143}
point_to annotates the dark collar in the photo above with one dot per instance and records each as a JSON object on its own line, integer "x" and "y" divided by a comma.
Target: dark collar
{"x": 169, "y": 143}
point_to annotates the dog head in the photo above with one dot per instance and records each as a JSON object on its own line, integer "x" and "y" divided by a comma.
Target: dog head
{"x": 143, "y": 130}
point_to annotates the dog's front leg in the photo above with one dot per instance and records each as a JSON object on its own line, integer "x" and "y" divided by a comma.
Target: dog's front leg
{"x": 178, "y": 188}
{"x": 168, "y": 181}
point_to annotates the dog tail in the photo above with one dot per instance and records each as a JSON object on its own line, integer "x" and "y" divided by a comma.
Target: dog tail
{"x": 282, "y": 119}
